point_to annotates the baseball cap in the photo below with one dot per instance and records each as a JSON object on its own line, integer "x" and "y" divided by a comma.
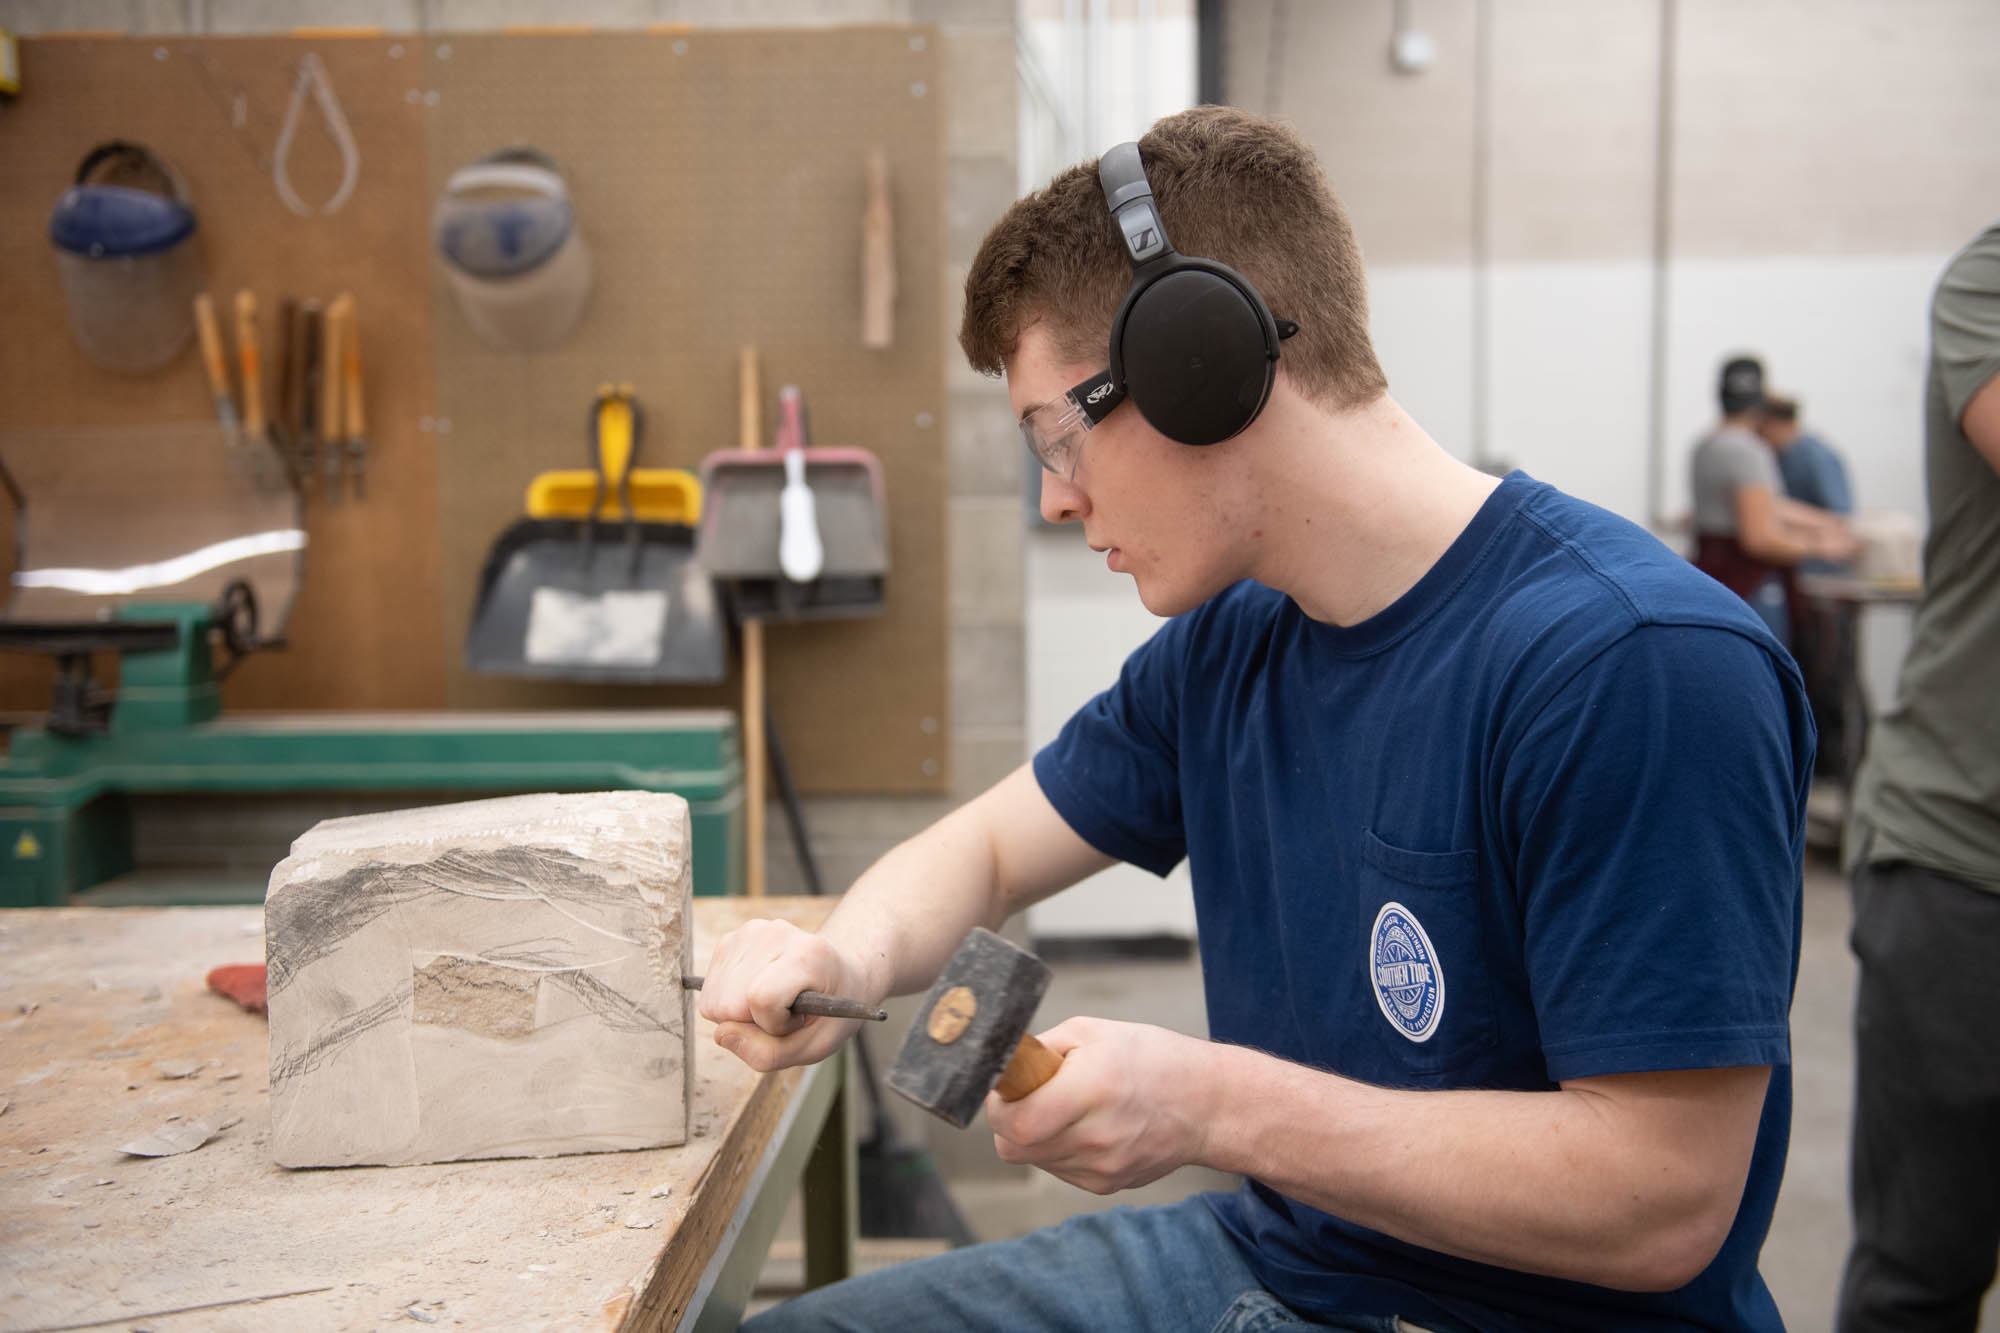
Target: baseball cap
{"x": 1742, "y": 384}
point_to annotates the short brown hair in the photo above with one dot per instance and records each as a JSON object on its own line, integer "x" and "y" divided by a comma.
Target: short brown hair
{"x": 1230, "y": 186}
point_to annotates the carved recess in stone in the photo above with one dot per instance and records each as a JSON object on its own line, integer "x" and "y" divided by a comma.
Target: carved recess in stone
{"x": 493, "y": 979}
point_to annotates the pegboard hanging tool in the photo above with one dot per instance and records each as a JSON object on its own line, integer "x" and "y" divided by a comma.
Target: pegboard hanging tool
{"x": 260, "y": 446}
{"x": 305, "y": 426}
{"x": 613, "y": 594}
{"x": 513, "y": 255}
{"x": 126, "y": 248}
{"x": 218, "y": 372}
{"x": 10, "y": 66}
{"x": 351, "y": 416}
{"x": 332, "y": 394}
{"x": 313, "y": 78}
{"x": 799, "y": 532}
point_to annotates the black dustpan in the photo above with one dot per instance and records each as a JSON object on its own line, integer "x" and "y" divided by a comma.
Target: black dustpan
{"x": 618, "y": 600}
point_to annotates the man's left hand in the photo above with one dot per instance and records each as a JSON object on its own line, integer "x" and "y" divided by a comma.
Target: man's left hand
{"x": 1128, "y": 1105}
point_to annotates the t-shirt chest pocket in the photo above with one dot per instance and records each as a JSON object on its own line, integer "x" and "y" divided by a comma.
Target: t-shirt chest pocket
{"x": 1425, "y": 961}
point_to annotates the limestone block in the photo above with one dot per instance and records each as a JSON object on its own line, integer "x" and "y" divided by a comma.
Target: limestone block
{"x": 498, "y": 978}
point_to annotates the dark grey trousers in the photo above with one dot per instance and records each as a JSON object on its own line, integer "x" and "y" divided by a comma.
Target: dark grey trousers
{"x": 1925, "y": 1170}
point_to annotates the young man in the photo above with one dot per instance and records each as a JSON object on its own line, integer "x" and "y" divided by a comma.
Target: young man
{"x": 1923, "y": 853}
{"x": 1494, "y": 808}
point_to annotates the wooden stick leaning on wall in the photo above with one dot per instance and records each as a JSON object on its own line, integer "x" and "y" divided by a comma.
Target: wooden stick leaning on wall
{"x": 878, "y": 257}
{"x": 750, "y": 432}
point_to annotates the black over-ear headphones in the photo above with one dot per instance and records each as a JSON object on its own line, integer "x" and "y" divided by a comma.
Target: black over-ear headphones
{"x": 1194, "y": 345}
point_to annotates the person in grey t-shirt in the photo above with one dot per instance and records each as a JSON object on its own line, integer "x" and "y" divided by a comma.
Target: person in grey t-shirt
{"x": 1748, "y": 535}
{"x": 1923, "y": 852}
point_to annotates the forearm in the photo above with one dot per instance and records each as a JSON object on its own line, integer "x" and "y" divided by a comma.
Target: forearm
{"x": 1779, "y": 543}
{"x": 1811, "y": 526}
{"x": 1568, "y": 1183}
{"x": 902, "y": 918}
{"x": 1007, "y": 848}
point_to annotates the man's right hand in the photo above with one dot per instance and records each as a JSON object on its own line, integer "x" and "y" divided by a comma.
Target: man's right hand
{"x": 757, "y": 971}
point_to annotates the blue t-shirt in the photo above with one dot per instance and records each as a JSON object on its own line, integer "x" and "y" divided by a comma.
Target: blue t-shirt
{"x": 1813, "y": 474}
{"x": 1540, "y": 819}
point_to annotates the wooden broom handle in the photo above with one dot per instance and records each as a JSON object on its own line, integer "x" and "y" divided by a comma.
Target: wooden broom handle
{"x": 1033, "y": 1065}
{"x": 750, "y": 432}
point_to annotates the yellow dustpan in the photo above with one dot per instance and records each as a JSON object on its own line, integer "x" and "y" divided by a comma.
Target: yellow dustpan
{"x": 657, "y": 494}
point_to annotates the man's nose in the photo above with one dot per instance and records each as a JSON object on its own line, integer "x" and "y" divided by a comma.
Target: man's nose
{"x": 1062, "y": 500}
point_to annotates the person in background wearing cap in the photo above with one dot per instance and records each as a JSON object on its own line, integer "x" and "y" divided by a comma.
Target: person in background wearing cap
{"x": 1822, "y": 634}
{"x": 1749, "y": 536}
{"x": 1923, "y": 854}
{"x": 1493, "y": 807}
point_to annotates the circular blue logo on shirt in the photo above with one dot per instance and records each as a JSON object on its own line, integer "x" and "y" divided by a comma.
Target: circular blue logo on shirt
{"x": 1403, "y": 966}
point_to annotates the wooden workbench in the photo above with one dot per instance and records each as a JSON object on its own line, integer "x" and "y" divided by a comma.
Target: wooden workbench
{"x": 99, "y": 1006}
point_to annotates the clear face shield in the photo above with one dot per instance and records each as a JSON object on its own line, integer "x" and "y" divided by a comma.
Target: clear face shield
{"x": 1054, "y": 431}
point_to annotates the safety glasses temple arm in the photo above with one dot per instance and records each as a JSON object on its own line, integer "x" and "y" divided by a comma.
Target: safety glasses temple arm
{"x": 1096, "y": 397}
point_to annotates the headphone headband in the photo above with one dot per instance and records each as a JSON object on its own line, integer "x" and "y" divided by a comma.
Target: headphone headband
{"x": 1129, "y": 196}
{"x": 1193, "y": 344}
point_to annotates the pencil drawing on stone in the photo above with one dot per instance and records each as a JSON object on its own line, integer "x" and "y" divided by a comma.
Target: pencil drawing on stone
{"x": 496, "y": 978}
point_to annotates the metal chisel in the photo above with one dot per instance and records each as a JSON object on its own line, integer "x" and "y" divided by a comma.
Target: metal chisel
{"x": 817, "y": 1004}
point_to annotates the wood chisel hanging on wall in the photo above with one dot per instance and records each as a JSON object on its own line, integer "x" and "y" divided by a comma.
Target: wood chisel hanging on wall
{"x": 332, "y": 394}
{"x": 291, "y": 359}
{"x": 305, "y": 429}
{"x": 351, "y": 415}
{"x": 218, "y": 375}
{"x": 260, "y": 448}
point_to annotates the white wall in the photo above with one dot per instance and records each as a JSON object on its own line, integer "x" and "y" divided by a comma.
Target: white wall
{"x": 1082, "y": 621}
{"x": 1569, "y": 362}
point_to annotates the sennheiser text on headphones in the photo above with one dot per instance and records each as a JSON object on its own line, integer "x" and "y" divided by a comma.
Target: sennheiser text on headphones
{"x": 1194, "y": 345}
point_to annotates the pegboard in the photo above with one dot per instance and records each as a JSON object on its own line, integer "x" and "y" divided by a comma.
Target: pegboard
{"x": 364, "y": 629}
{"x": 718, "y": 181}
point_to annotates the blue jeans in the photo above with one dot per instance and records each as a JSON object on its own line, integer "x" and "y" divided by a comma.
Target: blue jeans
{"x": 1171, "y": 1267}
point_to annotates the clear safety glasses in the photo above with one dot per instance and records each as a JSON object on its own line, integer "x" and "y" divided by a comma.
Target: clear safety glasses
{"x": 1054, "y": 431}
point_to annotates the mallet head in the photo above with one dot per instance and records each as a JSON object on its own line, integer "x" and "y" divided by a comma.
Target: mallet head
{"x": 969, "y": 1025}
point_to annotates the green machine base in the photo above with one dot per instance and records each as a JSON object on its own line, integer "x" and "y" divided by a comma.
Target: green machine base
{"x": 65, "y": 817}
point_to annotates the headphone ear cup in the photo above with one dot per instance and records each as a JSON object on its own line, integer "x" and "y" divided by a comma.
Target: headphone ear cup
{"x": 1197, "y": 355}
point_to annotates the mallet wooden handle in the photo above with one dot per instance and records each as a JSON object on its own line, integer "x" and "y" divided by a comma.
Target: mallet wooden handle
{"x": 1033, "y": 1064}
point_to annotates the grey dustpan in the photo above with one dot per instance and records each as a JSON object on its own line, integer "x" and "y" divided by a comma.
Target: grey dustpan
{"x": 591, "y": 599}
